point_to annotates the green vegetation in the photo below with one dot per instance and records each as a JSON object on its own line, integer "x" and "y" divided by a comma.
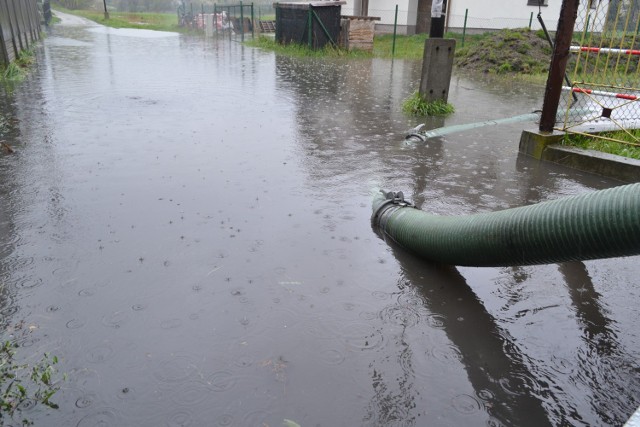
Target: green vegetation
{"x": 302, "y": 50}
{"x": 18, "y": 69}
{"x": 22, "y": 385}
{"x": 629, "y": 147}
{"x": 407, "y": 47}
{"x": 412, "y": 47}
{"x": 123, "y": 5}
{"x": 518, "y": 53}
{"x": 149, "y": 21}
{"x": 509, "y": 51}
{"x": 415, "y": 105}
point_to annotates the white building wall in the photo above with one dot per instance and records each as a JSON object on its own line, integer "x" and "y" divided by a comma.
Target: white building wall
{"x": 483, "y": 15}
{"x": 498, "y": 14}
{"x": 385, "y": 10}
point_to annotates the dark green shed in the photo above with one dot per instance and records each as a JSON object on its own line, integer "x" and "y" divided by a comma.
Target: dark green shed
{"x": 312, "y": 23}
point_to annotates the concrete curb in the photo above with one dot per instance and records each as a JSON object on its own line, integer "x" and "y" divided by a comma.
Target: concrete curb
{"x": 545, "y": 146}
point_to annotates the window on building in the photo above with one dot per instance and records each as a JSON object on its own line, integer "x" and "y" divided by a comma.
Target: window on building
{"x": 537, "y": 2}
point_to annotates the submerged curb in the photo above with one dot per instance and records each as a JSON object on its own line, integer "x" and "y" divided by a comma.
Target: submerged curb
{"x": 546, "y": 147}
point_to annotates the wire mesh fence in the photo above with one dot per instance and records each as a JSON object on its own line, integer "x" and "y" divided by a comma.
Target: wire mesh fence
{"x": 470, "y": 20}
{"x": 603, "y": 72}
{"x": 218, "y": 19}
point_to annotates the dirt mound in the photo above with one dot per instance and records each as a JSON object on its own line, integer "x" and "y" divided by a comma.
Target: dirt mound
{"x": 507, "y": 51}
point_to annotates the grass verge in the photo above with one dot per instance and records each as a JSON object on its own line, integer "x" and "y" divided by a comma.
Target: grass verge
{"x": 147, "y": 21}
{"x": 17, "y": 70}
{"x": 302, "y": 50}
{"x": 606, "y": 145}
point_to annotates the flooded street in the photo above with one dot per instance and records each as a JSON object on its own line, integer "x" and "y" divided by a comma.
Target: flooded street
{"x": 185, "y": 224}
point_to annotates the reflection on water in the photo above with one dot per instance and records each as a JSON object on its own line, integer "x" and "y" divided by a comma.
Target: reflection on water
{"x": 185, "y": 224}
{"x": 503, "y": 385}
{"x": 604, "y": 363}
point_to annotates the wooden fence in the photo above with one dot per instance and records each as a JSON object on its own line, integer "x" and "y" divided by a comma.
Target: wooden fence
{"x": 19, "y": 27}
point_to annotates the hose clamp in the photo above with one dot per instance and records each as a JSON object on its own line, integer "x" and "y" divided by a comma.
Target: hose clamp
{"x": 392, "y": 199}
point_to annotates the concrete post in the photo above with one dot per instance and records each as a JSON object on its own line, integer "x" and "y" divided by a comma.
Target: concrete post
{"x": 437, "y": 64}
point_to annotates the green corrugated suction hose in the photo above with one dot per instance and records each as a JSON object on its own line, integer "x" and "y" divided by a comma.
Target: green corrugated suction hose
{"x": 600, "y": 224}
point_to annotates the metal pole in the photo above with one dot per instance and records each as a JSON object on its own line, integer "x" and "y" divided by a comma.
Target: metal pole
{"x": 553, "y": 90}
{"x": 530, "y": 21}
{"x": 587, "y": 26}
{"x": 215, "y": 17}
{"x": 242, "y": 20}
{"x": 395, "y": 27}
{"x": 464, "y": 28}
{"x": 548, "y": 36}
{"x": 106, "y": 12}
{"x": 252, "y": 22}
{"x": 309, "y": 26}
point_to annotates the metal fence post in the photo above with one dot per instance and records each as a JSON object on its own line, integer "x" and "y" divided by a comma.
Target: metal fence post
{"x": 395, "y": 27}
{"x": 530, "y": 20}
{"x": 553, "y": 90}
{"x": 587, "y": 26}
{"x": 229, "y": 18}
{"x": 464, "y": 28}
{"x": 215, "y": 18}
{"x": 252, "y": 22}
{"x": 309, "y": 26}
{"x": 242, "y": 21}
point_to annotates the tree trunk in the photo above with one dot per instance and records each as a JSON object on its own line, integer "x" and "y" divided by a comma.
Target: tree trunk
{"x": 423, "y": 20}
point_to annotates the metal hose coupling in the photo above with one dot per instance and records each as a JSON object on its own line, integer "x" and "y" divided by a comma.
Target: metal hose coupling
{"x": 414, "y": 134}
{"x": 391, "y": 199}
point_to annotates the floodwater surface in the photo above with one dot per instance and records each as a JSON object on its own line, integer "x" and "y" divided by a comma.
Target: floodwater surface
{"x": 185, "y": 224}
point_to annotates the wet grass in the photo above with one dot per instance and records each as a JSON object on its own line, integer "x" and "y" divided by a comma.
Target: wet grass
{"x": 407, "y": 47}
{"x": 148, "y": 21}
{"x": 416, "y": 106}
{"x": 629, "y": 146}
{"x": 520, "y": 55}
{"x": 17, "y": 70}
{"x": 302, "y": 50}
{"x": 412, "y": 47}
